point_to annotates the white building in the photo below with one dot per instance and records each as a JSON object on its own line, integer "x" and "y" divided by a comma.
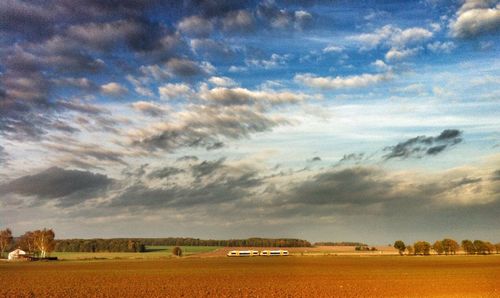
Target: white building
{"x": 16, "y": 254}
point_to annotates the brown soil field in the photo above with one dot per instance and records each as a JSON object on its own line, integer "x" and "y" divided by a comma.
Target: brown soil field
{"x": 323, "y": 276}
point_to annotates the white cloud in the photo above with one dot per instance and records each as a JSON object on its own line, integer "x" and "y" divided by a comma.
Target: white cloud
{"x": 399, "y": 54}
{"x": 240, "y": 20}
{"x": 393, "y": 37}
{"x": 222, "y": 81}
{"x": 381, "y": 65}
{"x": 410, "y": 36}
{"x": 113, "y": 89}
{"x": 475, "y": 17}
{"x": 240, "y": 96}
{"x": 441, "y": 47}
{"x": 171, "y": 91}
{"x": 416, "y": 88}
{"x": 333, "y": 49}
{"x": 371, "y": 40}
{"x": 441, "y": 92}
{"x": 303, "y": 19}
{"x": 338, "y": 82}
{"x": 195, "y": 25}
{"x": 234, "y": 68}
{"x": 274, "y": 61}
{"x": 149, "y": 108}
{"x": 156, "y": 72}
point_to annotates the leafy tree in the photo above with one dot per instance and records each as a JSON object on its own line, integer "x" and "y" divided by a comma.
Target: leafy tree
{"x": 27, "y": 242}
{"x": 490, "y": 248}
{"x": 5, "y": 240}
{"x": 497, "y": 247}
{"x": 422, "y": 248}
{"x": 450, "y": 246}
{"x": 409, "y": 248}
{"x": 400, "y": 246}
{"x": 438, "y": 247}
{"x": 177, "y": 251}
{"x": 44, "y": 241}
{"x": 468, "y": 247}
{"x": 481, "y": 247}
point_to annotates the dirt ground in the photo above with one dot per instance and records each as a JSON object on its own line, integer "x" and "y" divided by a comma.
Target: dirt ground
{"x": 293, "y": 276}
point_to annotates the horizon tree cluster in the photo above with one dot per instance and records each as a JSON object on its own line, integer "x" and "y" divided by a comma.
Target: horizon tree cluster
{"x": 447, "y": 246}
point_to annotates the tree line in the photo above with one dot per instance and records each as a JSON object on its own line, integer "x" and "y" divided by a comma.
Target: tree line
{"x": 42, "y": 242}
{"x": 36, "y": 243}
{"x": 447, "y": 246}
{"x": 139, "y": 244}
{"x": 343, "y": 243}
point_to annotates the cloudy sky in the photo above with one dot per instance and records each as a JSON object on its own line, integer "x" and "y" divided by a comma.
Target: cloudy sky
{"x": 321, "y": 120}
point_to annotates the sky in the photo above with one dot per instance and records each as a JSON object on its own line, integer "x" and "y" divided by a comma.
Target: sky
{"x": 322, "y": 120}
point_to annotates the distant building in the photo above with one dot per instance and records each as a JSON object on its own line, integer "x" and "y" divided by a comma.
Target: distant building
{"x": 17, "y": 254}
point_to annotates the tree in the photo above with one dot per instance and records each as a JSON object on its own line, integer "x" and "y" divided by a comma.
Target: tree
{"x": 177, "y": 251}
{"x": 497, "y": 247}
{"x": 409, "y": 248}
{"x": 450, "y": 246}
{"x": 438, "y": 247}
{"x": 422, "y": 248}
{"x": 489, "y": 247}
{"x": 480, "y": 246}
{"x": 27, "y": 242}
{"x": 5, "y": 240}
{"x": 44, "y": 241}
{"x": 400, "y": 246}
{"x": 468, "y": 247}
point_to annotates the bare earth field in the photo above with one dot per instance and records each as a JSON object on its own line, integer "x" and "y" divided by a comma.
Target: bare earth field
{"x": 322, "y": 276}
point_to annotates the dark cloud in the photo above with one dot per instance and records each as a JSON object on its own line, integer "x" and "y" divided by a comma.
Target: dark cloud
{"x": 356, "y": 157}
{"x": 86, "y": 151}
{"x": 280, "y": 18}
{"x": 225, "y": 188}
{"x": 188, "y": 158}
{"x": 206, "y": 168}
{"x": 348, "y": 186}
{"x": 214, "y": 8}
{"x": 423, "y": 145}
{"x": 71, "y": 187}
{"x": 496, "y": 175}
{"x": 165, "y": 172}
{"x": 215, "y": 146}
{"x": 203, "y": 126}
{"x": 238, "y": 21}
{"x": 435, "y": 150}
{"x": 185, "y": 67}
{"x": 81, "y": 107}
{"x": 57, "y": 44}
{"x": 316, "y": 158}
{"x": 212, "y": 48}
{"x": 3, "y": 156}
{"x": 64, "y": 127}
{"x": 139, "y": 35}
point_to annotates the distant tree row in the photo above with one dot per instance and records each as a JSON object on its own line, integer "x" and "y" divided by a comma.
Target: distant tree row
{"x": 100, "y": 245}
{"x": 39, "y": 242}
{"x": 364, "y": 248}
{"x": 448, "y": 247}
{"x": 139, "y": 244}
{"x": 360, "y": 244}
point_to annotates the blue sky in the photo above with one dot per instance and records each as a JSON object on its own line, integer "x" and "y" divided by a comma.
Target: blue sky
{"x": 321, "y": 120}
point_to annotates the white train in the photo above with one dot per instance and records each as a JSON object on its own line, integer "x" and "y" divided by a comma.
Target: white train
{"x": 253, "y": 253}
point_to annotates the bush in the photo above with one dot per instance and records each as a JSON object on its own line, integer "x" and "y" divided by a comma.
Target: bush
{"x": 177, "y": 251}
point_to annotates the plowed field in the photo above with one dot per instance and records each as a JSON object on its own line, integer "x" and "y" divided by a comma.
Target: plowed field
{"x": 389, "y": 276}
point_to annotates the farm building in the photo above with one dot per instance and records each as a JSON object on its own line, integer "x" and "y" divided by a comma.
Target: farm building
{"x": 17, "y": 254}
